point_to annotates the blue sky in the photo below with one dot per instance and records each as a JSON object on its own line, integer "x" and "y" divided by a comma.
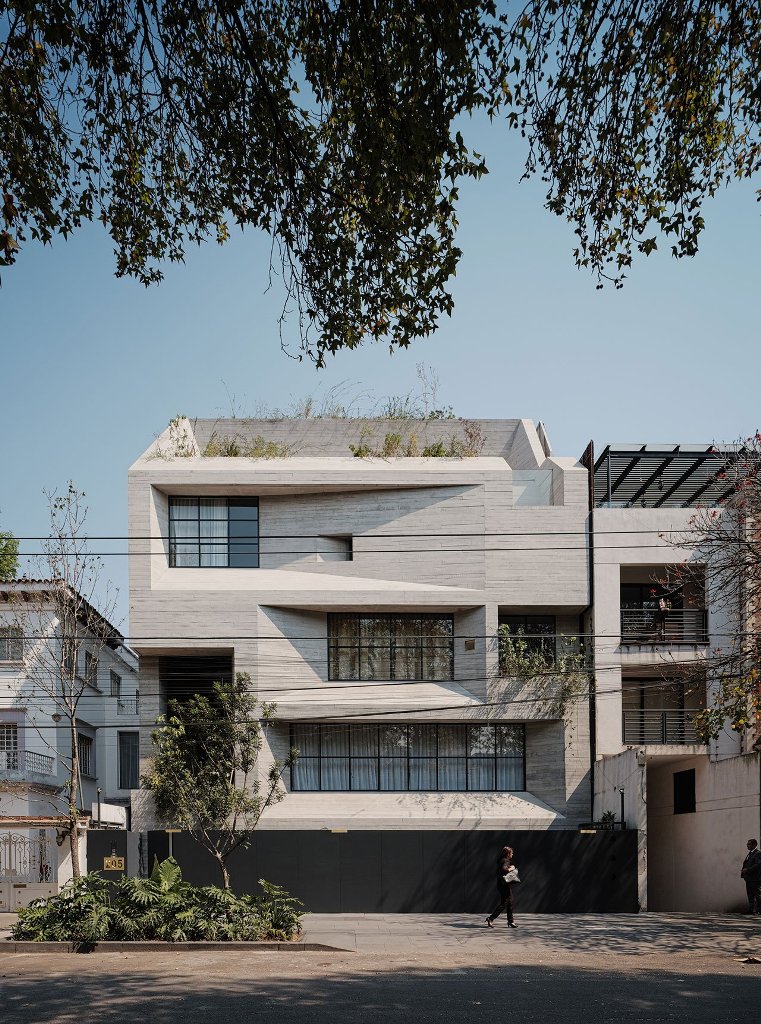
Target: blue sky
{"x": 94, "y": 367}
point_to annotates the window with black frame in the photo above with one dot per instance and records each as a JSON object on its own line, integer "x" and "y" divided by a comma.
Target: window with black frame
{"x": 86, "y": 758}
{"x": 537, "y": 631}
{"x": 409, "y": 758}
{"x": 393, "y": 646}
{"x": 214, "y": 533}
{"x": 11, "y": 643}
{"x": 129, "y": 760}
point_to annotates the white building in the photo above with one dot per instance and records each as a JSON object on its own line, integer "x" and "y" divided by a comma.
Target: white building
{"x": 694, "y": 804}
{"x": 35, "y": 741}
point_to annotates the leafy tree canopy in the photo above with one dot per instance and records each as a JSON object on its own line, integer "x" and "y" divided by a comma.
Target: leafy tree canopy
{"x": 8, "y": 556}
{"x": 335, "y": 128}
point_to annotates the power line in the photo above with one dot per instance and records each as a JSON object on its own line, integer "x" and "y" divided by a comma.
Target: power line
{"x": 84, "y": 538}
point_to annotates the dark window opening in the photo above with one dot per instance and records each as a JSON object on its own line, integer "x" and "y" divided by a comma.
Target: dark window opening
{"x": 182, "y": 677}
{"x": 129, "y": 760}
{"x": 86, "y": 758}
{"x": 684, "y": 792}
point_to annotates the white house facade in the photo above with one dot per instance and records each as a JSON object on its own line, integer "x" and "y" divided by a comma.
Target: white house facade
{"x": 695, "y": 804}
{"x": 35, "y": 740}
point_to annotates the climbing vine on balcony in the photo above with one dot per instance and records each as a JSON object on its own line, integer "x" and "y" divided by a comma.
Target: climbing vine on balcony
{"x": 558, "y": 679}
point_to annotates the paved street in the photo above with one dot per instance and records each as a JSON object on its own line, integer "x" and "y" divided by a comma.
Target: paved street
{"x": 432, "y": 968}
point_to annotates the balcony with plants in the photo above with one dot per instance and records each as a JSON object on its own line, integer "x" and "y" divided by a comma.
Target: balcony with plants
{"x": 660, "y": 609}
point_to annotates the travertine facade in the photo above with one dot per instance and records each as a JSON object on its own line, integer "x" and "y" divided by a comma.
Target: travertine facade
{"x": 499, "y": 533}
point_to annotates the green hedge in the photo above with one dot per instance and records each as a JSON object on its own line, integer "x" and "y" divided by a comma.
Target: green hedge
{"x": 92, "y": 909}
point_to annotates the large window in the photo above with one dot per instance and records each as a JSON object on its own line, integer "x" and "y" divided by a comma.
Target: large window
{"x": 11, "y": 643}
{"x": 116, "y": 684}
{"x": 214, "y": 532}
{"x": 416, "y": 758}
{"x": 538, "y": 632}
{"x": 8, "y": 746}
{"x": 390, "y": 647}
{"x": 129, "y": 760}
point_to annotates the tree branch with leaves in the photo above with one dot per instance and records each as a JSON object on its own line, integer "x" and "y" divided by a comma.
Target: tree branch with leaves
{"x": 204, "y": 775}
{"x": 725, "y": 542}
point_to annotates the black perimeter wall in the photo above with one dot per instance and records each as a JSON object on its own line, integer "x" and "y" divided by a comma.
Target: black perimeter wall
{"x": 425, "y": 872}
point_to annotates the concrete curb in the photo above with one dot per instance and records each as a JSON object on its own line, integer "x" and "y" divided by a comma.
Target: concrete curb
{"x": 10, "y": 946}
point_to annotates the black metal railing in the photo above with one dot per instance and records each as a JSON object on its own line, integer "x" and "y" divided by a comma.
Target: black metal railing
{"x": 128, "y": 706}
{"x": 660, "y": 726}
{"x": 676, "y": 626}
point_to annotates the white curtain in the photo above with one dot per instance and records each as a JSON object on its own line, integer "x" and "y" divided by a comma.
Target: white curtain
{"x": 213, "y": 531}
{"x": 183, "y": 532}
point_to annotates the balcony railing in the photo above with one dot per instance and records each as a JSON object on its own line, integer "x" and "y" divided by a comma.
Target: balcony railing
{"x": 650, "y": 626}
{"x": 128, "y": 706}
{"x": 26, "y": 761}
{"x": 653, "y": 726}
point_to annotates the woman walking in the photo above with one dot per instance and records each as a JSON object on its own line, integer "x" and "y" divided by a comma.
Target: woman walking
{"x": 507, "y": 874}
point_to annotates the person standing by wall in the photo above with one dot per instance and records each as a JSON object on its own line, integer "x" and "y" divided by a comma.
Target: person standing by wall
{"x": 507, "y": 875}
{"x": 751, "y": 872}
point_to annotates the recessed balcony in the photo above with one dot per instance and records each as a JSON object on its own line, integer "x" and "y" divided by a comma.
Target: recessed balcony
{"x": 661, "y": 712}
{"x": 652, "y": 626}
{"x": 659, "y": 727}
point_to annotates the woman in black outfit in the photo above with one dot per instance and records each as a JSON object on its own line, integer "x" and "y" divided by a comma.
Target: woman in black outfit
{"x": 504, "y": 863}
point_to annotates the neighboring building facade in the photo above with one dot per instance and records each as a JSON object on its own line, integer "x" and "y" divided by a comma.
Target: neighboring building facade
{"x": 34, "y": 737}
{"x": 694, "y": 804}
{"x": 363, "y": 596}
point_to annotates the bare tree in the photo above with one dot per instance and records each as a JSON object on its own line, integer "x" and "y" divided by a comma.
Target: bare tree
{"x": 67, "y": 635}
{"x": 726, "y": 544}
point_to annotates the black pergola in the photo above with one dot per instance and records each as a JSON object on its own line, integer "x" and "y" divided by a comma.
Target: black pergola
{"x": 656, "y": 476}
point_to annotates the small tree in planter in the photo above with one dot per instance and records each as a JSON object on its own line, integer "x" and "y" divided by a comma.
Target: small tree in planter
{"x": 203, "y": 776}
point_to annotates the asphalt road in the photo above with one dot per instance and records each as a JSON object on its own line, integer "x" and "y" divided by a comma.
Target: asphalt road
{"x": 332, "y": 988}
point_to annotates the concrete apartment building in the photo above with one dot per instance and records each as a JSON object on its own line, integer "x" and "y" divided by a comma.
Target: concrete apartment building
{"x": 34, "y": 738}
{"x": 364, "y": 595}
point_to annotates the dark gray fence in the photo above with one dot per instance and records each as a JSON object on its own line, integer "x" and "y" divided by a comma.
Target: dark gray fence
{"x": 425, "y": 872}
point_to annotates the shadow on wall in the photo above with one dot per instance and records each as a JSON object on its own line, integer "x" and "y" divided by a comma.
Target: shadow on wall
{"x": 423, "y": 871}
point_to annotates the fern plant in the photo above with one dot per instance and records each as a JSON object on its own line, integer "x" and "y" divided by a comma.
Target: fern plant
{"x": 162, "y": 907}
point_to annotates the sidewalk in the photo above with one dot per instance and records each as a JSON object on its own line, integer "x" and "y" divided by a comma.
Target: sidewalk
{"x": 722, "y": 936}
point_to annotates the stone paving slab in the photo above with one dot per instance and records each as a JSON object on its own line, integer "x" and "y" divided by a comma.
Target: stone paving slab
{"x": 632, "y": 934}
{"x": 638, "y": 935}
